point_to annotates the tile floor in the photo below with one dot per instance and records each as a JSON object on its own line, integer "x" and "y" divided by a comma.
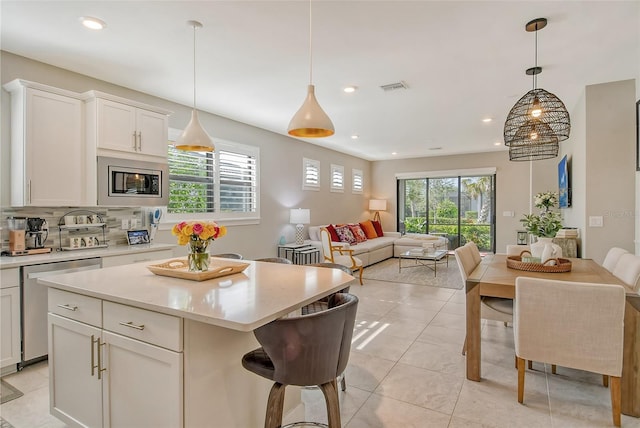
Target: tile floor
{"x": 406, "y": 370}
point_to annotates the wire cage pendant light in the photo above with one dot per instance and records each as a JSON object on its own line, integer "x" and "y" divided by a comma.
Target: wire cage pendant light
{"x": 310, "y": 121}
{"x": 194, "y": 138}
{"x": 523, "y": 127}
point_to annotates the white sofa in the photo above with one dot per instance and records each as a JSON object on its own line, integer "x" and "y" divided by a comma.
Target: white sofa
{"x": 375, "y": 250}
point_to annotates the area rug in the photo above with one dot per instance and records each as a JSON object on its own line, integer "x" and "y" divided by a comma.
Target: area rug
{"x": 5, "y": 424}
{"x": 8, "y": 392}
{"x": 387, "y": 270}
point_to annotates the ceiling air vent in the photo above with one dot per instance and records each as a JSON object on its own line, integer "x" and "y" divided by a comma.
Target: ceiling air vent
{"x": 394, "y": 86}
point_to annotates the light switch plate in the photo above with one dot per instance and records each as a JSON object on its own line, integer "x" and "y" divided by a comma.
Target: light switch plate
{"x": 508, "y": 213}
{"x": 595, "y": 221}
{"x": 125, "y": 224}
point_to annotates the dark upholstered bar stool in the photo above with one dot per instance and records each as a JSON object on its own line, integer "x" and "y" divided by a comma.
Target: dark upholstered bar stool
{"x": 275, "y": 260}
{"x": 304, "y": 351}
{"x": 235, "y": 256}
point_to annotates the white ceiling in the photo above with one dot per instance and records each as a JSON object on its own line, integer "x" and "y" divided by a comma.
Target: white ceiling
{"x": 462, "y": 60}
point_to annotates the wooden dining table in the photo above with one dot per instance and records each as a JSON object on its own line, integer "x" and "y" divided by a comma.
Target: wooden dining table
{"x": 492, "y": 277}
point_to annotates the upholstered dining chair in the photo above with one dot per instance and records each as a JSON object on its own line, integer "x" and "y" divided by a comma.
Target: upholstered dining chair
{"x": 339, "y": 255}
{"x": 274, "y": 260}
{"x": 491, "y": 308}
{"x": 612, "y": 257}
{"x": 235, "y": 256}
{"x": 572, "y": 324}
{"x": 628, "y": 270}
{"x": 305, "y": 351}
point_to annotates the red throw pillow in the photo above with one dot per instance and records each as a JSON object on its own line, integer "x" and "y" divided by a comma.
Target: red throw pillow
{"x": 368, "y": 229}
{"x": 345, "y": 234}
{"x": 333, "y": 233}
{"x": 378, "y": 227}
{"x": 358, "y": 233}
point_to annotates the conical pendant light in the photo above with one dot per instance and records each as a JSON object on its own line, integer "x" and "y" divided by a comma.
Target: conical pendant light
{"x": 194, "y": 138}
{"x": 310, "y": 121}
{"x": 524, "y": 124}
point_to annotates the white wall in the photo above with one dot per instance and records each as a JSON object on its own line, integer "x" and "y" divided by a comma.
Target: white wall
{"x": 281, "y": 163}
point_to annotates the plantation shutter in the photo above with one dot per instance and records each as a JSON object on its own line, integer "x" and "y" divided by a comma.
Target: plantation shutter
{"x": 337, "y": 178}
{"x": 358, "y": 181}
{"x": 191, "y": 181}
{"x": 238, "y": 178}
{"x": 311, "y": 174}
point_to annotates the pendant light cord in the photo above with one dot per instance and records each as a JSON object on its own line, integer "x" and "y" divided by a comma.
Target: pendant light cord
{"x": 535, "y": 74}
{"x": 194, "y": 66}
{"x": 310, "y": 49}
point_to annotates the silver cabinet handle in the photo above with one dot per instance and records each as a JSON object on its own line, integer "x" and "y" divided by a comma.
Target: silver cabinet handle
{"x": 132, "y": 325}
{"x": 135, "y": 141}
{"x": 139, "y": 140}
{"x": 93, "y": 354}
{"x": 68, "y": 307}
{"x": 100, "y": 369}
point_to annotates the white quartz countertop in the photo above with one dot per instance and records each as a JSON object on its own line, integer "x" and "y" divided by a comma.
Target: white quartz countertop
{"x": 61, "y": 256}
{"x": 242, "y": 301}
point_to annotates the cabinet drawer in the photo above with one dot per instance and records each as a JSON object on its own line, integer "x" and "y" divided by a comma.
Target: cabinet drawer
{"x": 126, "y": 259}
{"x": 9, "y": 277}
{"x": 75, "y": 306}
{"x": 148, "y": 326}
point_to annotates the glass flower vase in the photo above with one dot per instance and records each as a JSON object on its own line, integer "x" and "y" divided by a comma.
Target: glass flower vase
{"x": 198, "y": 256}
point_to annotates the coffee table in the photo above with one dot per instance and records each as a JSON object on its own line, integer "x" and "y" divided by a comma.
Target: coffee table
{"x": 430, "y": 260}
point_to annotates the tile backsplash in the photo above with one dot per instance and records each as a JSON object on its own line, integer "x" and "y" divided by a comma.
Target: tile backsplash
{"x": 114, "y": 218}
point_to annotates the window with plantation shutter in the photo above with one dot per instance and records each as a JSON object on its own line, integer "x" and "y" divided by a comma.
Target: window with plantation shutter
{"x": 337, "y": 178}
{"x": 310, "y": 174}
{"x": 223, "y": 184}
{"x": 357, "y": 181}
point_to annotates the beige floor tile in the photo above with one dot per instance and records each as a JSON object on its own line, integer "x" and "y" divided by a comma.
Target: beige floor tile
{"x": 382, "y": 346}
{"x": 436, "y": 335}
{"x": 460, "y": 296}
{"x": 436, "y": 293}
{"x": 441, "y": 358}
{"x": 375, "y": 306}
{"x": 425, "y": 302}
{"x": 30, "y": 378}
{"x": 444, "y": 319}
{"x": 379, "y": 411}
{"x": 454, "y": 308}
{"x": 404, "y": 328}
{"x": 30, "y": 411}
{"x": 413, "y": 313}
{"x": 424, "y": 388}
{"x": 366, "y": 371}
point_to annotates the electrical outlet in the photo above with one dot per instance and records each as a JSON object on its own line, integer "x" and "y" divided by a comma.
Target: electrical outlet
{"x": 134, "y": 223}
{"x": 125, "y": 224}
{"x": 595, "y": 221}
{"x": 508, "y": 213}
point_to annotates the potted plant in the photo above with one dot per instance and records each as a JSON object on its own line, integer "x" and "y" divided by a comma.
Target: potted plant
{"x": 545, "y": 225}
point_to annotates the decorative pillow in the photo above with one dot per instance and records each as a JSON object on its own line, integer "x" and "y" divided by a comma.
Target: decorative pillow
{"x": 358, "y": 233}
{"x": 345, "y": 234}
{"x": 333, "y": 233}
{"x": 368, "y": 229}
{"x": 378, "y": 227}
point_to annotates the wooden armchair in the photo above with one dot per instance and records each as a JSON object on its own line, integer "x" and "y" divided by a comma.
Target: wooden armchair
{"x": 339, "y": 255}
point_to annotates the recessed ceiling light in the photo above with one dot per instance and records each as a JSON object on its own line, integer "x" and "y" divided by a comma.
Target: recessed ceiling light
{"x": 487, "y": 119}
{"x": 350, "y": 89}
{"x": 92, "y": 23}
{"x": 355, "y": 137}
{"x": 497, "y": 143}
{"x": 394, "y": 153}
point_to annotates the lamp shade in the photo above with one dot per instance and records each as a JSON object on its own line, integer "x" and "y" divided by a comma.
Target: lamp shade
{"x": 194, "y": 138}
{"x": 300, "y": 216}
{"x": 377, "y": 205}
{"x": 540, "y": 105}
{"x": 310, "y": 120}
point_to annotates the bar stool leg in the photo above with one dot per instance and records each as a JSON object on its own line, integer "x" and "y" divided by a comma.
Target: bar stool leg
{"x": 330, "y": 391}
{"x": 275, "y": 405}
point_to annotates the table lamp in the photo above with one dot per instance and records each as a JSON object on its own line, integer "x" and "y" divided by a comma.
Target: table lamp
{"x": 300, "y": 217}
{"x": 377, "y": 205}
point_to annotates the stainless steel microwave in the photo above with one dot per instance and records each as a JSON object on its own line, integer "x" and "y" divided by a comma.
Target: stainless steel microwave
{"x": 127, "y": 182}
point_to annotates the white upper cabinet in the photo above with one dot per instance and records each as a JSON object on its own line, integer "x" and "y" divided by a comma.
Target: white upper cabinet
{"x": 48, "y": 155}
{"x": 124, "y": 128}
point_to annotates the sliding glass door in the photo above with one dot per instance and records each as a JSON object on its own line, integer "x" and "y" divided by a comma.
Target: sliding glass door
{"x": 460, "y": 208}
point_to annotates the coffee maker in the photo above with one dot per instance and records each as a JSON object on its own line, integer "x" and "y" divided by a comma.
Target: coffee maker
{"x": 37, "y": 232}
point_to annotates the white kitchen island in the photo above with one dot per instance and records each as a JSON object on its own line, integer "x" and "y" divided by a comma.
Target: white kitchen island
{"x": 129, "y": 348}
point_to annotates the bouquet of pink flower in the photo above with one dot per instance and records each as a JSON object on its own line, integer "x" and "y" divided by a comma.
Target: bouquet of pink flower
{"x": 198, "y": 232}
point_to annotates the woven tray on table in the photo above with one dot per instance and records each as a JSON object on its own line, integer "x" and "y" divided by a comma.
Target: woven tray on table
{"x": 562, "y": 265}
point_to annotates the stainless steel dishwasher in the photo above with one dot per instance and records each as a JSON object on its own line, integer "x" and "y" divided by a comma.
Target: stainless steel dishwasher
{"x": 34, "y": 305}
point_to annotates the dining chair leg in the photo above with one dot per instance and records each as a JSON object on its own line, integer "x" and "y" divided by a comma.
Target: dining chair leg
{"x": 361, "y": 269}
{"x": 343, "y": 382}
{"x": 520, "y": 379}
{"x": 275, "y": 405}
{"x": 330, "y": 392}
{"x": 464, "y": 346}
{"x": 616, "y": 392}
{"x": 605, "y": 380}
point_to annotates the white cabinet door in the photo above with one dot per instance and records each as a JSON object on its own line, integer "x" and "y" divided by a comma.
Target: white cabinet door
{"x": 9, "y": 326}
{"x": 75, "y": 392}
{"x": 51, "y": 150}
{"x": 152, "y": 132}
{"x": 131, "y": 129}
{"x": 116, "y": 126}
{"x": 143, "y": 384}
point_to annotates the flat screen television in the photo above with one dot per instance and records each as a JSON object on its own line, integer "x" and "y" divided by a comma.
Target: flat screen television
{"x": 564, "y": 188}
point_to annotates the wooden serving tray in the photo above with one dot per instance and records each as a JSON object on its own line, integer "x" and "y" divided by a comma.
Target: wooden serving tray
{"x": 179, "y": 268}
